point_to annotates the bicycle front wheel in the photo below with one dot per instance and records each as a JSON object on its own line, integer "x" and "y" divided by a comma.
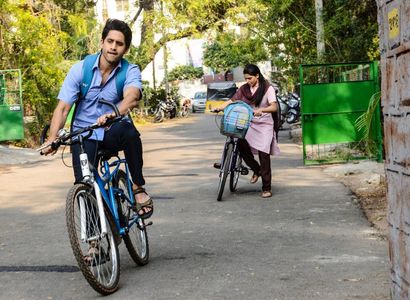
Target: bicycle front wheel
{"x": 225, "y": 167}
{"x": 233, "y": 180}
{"x": 136, "y": 239}
{"x": 96, "y": 255}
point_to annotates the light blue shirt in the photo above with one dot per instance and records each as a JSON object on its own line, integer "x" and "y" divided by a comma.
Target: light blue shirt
{"x": 89, "y": 109}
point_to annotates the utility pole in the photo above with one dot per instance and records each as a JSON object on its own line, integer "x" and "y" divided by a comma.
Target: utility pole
{"x": 153, "y": 74}
{"x": 165, "y": 55}
{"x": 320, "y": 37}
{"x": 166, "y": 68}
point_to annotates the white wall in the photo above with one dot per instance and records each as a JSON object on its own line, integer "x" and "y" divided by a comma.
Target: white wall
{"x": 187, "y": 88}
{"x": 180, "y": 52}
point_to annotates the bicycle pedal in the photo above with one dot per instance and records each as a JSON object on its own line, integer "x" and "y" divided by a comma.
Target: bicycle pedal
{"x": 217, "y": 166}
{"x": 244, "y": 171}
{"x": 149, "y": 224}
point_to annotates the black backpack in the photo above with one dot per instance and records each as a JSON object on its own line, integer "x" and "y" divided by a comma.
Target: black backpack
{"x": 276, "y": 121}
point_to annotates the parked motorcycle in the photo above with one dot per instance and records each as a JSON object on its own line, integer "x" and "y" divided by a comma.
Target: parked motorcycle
{"x": 165, "y": 108}
{"x": 293, "y": 113}
{"x": 289, "y": 108}
{"x": 283, "y": 108}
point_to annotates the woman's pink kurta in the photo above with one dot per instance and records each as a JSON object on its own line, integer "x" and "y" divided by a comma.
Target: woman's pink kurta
{"x": 260, "y": 135}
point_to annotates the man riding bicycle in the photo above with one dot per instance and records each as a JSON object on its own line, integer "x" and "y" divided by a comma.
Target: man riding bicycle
{"x": 120, "y": 136}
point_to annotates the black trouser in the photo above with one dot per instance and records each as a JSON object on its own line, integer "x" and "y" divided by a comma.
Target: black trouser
{"x": 263, "y": 170}
{"x": 122, "y": 136}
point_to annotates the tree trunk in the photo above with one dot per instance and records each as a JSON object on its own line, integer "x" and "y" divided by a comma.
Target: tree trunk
{"x": 320, "y": 38}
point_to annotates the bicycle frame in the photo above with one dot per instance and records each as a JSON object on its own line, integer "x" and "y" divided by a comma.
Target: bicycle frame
{"x": 105, "y": 194}
{"x": 109, "y": 194}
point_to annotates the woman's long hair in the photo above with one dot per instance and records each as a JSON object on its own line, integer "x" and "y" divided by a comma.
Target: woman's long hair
{"x": 253, "y": 70}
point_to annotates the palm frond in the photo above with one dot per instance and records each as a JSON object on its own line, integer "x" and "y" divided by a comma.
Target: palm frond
{"x": 364, "y": 124}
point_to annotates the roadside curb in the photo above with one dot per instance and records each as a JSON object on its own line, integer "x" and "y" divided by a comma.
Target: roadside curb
{"x": 10, "y": 155}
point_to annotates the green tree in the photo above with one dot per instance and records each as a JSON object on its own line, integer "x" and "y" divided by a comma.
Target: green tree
{"x": 177, "y": 19}
{"x": 32, "y": 39}
{"x": 351, "y": 35}
{"x": 289, "y": 31}
{"x": 185, "y": 72}
{"x": 230, "y": 50}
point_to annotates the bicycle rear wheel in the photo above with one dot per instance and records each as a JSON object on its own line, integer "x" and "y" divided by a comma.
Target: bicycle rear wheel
{"x": 97, "y": 257}
{"x": 225, "y": 170}
{"x": 136, "y": 239}
{"x": 233, "y": 180}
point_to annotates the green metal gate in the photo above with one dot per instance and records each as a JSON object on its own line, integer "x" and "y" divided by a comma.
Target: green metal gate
{"x": 11, "y": 108}
{"x": 333, "y": 96}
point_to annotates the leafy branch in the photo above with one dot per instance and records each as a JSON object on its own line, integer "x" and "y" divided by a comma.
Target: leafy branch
{"x": 364, "y": 124}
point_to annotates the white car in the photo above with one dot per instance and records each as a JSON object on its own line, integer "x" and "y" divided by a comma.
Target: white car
{"x": 199, "y": 101}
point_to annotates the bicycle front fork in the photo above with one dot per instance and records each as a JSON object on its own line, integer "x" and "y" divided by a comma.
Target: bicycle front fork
{"x": 88, "y": 177}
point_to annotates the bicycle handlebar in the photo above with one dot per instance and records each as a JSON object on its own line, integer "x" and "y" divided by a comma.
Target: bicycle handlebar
{"x": 64, "y": 136}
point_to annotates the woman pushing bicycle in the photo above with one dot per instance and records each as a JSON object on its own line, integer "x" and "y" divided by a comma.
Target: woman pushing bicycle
{"x": 261, "y": 137}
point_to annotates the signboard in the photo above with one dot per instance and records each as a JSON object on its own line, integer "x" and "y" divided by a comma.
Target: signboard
{"x": 11, "y": 107}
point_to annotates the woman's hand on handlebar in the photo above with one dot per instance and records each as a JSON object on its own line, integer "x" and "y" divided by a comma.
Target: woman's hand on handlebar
{"x": 223, "y": 106}
{"x": 104, "y": 118}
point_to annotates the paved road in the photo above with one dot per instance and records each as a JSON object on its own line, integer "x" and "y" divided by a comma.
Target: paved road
{"x": 307, "y": 242}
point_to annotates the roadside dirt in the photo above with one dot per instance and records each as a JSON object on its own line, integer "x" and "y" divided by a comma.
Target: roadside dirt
{"x": 367, "y": 182}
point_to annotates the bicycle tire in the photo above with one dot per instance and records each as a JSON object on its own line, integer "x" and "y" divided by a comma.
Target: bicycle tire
{"x": 225, "y": 168}
{"x": 136, "y": 239}
{"x": 233, "y": 180}
{"x": 103, "y": 270}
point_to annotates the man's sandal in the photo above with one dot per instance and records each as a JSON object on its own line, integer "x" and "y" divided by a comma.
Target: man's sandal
{"x": 147, "y": 204}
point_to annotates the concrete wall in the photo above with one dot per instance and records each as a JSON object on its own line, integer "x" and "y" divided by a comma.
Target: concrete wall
{"x": 188, "y": 88}
{"x": 394, "y": 29}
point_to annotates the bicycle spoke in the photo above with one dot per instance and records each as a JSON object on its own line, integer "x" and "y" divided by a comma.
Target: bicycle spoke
{"x": 136, "y": 239}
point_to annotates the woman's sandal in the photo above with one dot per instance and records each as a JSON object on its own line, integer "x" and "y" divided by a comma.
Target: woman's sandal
{"x": 266, "y": 194}
{"x": 254, "y": 178}
{"x": 147, "y": 204}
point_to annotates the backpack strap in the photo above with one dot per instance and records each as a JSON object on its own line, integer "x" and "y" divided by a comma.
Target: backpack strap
{"x": 87, "y": 73}
{"x": 120, "y": 78}
{"x": 88, "y": 64}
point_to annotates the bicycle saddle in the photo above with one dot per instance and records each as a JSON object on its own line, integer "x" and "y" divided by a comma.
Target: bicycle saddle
{"x": 106, "y": 154}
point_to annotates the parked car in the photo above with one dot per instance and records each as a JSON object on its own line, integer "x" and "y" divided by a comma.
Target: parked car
{"x": 199, "y": 101}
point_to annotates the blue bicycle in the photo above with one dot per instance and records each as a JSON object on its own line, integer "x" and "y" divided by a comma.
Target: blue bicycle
{"x": 99, "y": 212}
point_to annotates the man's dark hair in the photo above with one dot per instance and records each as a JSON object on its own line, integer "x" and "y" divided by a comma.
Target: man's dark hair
{"x": 114, "y": 24}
